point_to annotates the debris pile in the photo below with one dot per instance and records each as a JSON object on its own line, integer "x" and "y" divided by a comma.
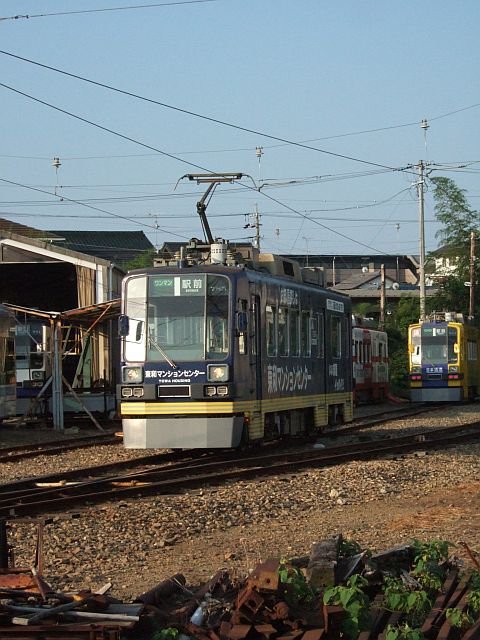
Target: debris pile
{"x": 412, "y": 592}
{"x": 31, "y": 609}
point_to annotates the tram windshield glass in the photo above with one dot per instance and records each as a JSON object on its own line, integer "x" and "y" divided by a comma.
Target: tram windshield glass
{"x": 438, "y": 344}
{"x": 178, "y": 318}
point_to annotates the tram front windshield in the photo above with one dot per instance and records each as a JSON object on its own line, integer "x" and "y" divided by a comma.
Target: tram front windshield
{"x": 438, "y": 345}
{"x": 184, "y": 318}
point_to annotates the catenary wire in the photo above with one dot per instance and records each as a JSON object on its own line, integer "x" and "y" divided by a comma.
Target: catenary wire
{"x": 265, "y": 195}
{"x": 196, "y": 115}
{"x": 115, "y": 215}
{"x": 103, "y": 10}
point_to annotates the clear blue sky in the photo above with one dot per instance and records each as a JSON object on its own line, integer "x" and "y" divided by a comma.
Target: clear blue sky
{"x": 352, "y": 78}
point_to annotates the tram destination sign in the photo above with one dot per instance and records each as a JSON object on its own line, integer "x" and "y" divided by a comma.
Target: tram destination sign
{"x": 177, "y": 285}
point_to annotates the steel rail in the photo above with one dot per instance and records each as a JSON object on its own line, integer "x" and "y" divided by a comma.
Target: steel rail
{"x": 177, "y": 478}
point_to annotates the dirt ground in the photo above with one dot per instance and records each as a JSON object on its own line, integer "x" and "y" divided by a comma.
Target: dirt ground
{"x": 452, "y": 515}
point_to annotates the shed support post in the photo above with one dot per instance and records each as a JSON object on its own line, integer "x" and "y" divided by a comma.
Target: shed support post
{"x": 57, "y": 381}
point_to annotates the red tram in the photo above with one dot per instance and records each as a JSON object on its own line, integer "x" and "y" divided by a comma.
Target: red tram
{"x": 370, "y": 363}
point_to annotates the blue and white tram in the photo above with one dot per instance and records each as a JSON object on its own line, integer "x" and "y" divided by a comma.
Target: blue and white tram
{"x": 444, "y": 359}
{"x": 215, "y": 355}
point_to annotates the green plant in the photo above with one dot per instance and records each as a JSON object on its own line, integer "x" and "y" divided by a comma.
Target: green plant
{"x": 354, "y": 601}
{"x": 397, "y": 597}
{"x": 459, "y": 619}
{"x": 300, "y": 590}
{"x": 169, "y": 633}
{"x": 403, "y": 632}
{"x": 349, "y": 548}
{"x": 435, "y": 551}
{"x": 473, "y": 598}
{"x": 428, "y": 557}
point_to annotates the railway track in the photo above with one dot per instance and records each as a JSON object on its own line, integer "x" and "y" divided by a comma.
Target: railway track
{"x": 55, "y": 447}
{"x": 19, "y": 452}
{"x": 84, "y": 487}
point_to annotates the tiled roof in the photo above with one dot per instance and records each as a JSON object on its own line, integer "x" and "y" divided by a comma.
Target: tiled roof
{"x": 117, "y": 246}
{"x": 22, "y": 230}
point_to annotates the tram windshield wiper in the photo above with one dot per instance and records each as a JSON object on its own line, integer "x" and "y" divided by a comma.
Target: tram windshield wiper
{"x": 155, "y": 344}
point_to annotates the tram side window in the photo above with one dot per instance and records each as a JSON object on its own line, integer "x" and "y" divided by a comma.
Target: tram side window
{"x": 318, "y": 335}
{"x": 305, "y": 336}
{"x": 452, "y": 341}
{"x": 336, "y": 336}
{"x": 271, "y": 321}
{"x": 471, "y": 350}
{"x": 415, "y": 348}
{"x": 294, "y": 335}
{"x": 282, "y": 332}
{"x": 136, "y": 310}
{"x": 242, "y": 336}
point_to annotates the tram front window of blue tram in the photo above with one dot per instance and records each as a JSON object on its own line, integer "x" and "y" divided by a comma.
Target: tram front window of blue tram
{"x": 438, "y": 345}
{"x": 188, "y": 318}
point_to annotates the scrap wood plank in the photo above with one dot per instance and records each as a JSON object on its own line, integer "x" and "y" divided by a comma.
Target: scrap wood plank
{"x": 394, "y": 619}
{"x": 473, "y": 633}
{"x": 447, "y": 630}
{"x": 378, "y": 615}
{"x": 440, "y": 603}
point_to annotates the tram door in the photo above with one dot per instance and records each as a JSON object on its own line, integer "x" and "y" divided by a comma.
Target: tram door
{"x": 256, "y": 346}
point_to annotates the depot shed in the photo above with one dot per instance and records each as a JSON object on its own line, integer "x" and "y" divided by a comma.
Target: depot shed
{"x": 38, "y": 275}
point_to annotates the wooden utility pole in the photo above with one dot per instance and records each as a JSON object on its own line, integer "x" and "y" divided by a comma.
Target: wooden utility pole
{"x": 382, "y": 296}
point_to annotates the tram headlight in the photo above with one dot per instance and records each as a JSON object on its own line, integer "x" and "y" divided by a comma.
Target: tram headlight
{"x": 132, "y": 374}
{"x": 453, "y": 369}
{"x": 217, "y": 372}
{"x": 37, "y": 375}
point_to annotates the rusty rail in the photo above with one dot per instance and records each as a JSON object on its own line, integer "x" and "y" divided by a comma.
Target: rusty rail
{"x": 26, "y": 497}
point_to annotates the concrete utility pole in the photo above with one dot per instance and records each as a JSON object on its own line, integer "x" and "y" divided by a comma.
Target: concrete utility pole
{"x": 473, "y": 241}
{"x": 421, "y": 213}
{"x": 255, "y": 225}
{"x": 257, "y": 228}
{"x": 382, "y": 296}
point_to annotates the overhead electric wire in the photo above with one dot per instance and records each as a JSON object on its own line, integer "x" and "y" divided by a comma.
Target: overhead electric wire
{"x": 306, "y": 217}
{"x": 224, "y": 123}
{"x": 103, "y": 10}
{"x": 196, "y": 115}
{"x": 256, "y": 190}
{"x": 115, "y": 215}
{"x": 99, "y": 126}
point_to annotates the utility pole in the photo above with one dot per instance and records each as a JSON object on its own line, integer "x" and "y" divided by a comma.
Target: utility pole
{"x": 256, "y": 225}
{"x": 382, "y": 296}
{"x": 421, "y": 214}
{"x": 473, "y": 241}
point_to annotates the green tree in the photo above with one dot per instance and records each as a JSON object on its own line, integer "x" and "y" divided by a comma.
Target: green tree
{"x": 458, "y": 221}
{"x": 144, "y": 259}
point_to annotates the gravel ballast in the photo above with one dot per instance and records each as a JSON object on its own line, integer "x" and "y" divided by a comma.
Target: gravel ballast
{"x": 136, "y": 543}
